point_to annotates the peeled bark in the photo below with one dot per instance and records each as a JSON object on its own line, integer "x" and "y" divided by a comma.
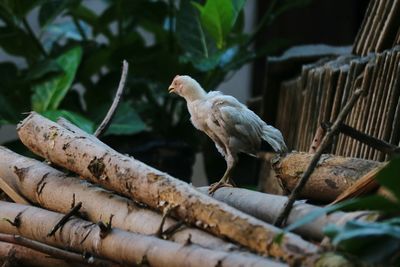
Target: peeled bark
{"x": 145, "y": 184}
{"x": 54, "y": 190}
{"x": 332, "y": 176}
{"x": 122, "y": 247}
{"x": 266, "y": 207}
{"x": 365, "y": 185}
{"x": 22, "y": 256}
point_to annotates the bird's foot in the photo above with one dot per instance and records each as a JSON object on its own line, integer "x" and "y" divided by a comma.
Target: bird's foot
{"x": 215, "y": 186}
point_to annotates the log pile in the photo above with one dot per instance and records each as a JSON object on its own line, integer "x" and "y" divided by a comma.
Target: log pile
{"x": 104, "y": 208}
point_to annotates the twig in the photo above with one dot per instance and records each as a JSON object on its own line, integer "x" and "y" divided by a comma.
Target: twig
{"x": 105, "y": 229}
{"x": 166, "y": 212}
{"x": 265, "y": 21}
{"x": 52, "y": 251}
{"x": 11, "y": 192}
{"x": 314, "y": 161}
{"x": 369, "y": 140}
{"x": 65, "y": 218}
{"x": 172, "y": 230}
{"x": 79, "y": 28}
{"x": 34, "y": 38}
{"x": 111, "y": 112}
{"x": 319, "y": 135}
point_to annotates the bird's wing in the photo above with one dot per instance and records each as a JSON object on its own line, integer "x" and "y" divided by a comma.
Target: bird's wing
{"x": 242, "y": 127}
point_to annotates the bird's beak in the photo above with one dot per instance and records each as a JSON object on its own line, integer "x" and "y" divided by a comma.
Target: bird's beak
{"x": 171, "y": 89}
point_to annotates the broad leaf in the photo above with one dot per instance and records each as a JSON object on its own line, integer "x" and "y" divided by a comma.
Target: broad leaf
{"x": 286, "y": 5}
{"x": 43, "y": 69}
{"x": 78, "y": 120}
{"x": 372, "y": 242}
{"x": 19, "y": 8}
{"x": 218, "y": 17}
{"x": 49, "y": 94}
{"x": 14, "y": 41}
{"x": 190, "y": 33}
{"x": 389, "y": 177}
{"x": 126, "y": 121}
{"x": 51, "y": 9}
{"x": 85, "y": 14}
{"x": 68, "y": 30}
{"x": 13, "y": 91}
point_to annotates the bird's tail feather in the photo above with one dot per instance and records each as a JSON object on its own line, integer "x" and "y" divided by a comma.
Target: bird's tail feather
{"x": 273, "y": 138}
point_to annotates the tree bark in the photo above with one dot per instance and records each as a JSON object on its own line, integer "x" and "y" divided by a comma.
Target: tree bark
{"x": 332, "y": 176}
{"x": 145, "y": 184}
{"x": 365, "y": 185}
{"x": 22, "y": 256}
{"x": 54, "y": 190}
{"x": 122, "y": 247}
{"x": 266, "y": 207}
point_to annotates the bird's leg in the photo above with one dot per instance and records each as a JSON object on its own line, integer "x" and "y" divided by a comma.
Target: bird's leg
{"x": 226, "y": 180}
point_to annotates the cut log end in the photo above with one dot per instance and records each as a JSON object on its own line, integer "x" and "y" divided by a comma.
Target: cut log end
{"x": 332, "y": 176}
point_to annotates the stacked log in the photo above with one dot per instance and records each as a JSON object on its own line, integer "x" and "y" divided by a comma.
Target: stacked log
{"x": 114, "y": 218}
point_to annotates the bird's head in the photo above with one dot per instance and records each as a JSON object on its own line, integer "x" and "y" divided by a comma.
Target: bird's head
{"x": 186, "y": 87}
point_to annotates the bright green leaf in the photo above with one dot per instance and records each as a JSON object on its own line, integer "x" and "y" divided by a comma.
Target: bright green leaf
{"x": 49, "y": 94}
{"x": 218, "y": 17}
{"x": 80, "y": 121}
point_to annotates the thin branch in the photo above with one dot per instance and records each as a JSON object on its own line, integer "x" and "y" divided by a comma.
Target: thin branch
{"x": 319, "y": 135}
{"x": 52, "y": 251}
{"x": 314, "y": 161}
{"x": 265, "y": 21}
{"x": 369, "y": 140}
{"x": 79, "y": 28}
{"x": 65, "y": 218}
{"x": 34, "y": 37}
{"x": 111, "y": 112}
{"x": 12, "y": 193}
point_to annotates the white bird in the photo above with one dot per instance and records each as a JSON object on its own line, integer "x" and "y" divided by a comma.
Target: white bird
{"x": 230, "y": 124}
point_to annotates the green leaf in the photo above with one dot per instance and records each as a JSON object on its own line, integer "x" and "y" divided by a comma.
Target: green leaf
{"x": 49, "y": 94}
{"x": 43, "y": 69}
{"x": 189, "y": 31}
{"x": 67, "y": 29}
{"x": 51, "y": 9}
{"x": 374, "y": 242}
{"x": 218, "y": 17}
{"x": 80, "y": 121}
{"x": 19, "y": 8}
{"x": 85, "y": 14}
{"x": 289, "y": 4}
{"x": 126, "y": 121}
{"x": 14, "y": 41}
{"x": 389, "y": 177}
{"x": 13, "y": 92}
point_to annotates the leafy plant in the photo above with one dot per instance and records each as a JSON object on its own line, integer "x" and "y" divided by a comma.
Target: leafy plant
{"x": 71, "y": 64}
{"x": 372, "y": 242}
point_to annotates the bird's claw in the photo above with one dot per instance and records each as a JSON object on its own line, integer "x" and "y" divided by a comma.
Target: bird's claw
{"x": 215, "y": 186}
